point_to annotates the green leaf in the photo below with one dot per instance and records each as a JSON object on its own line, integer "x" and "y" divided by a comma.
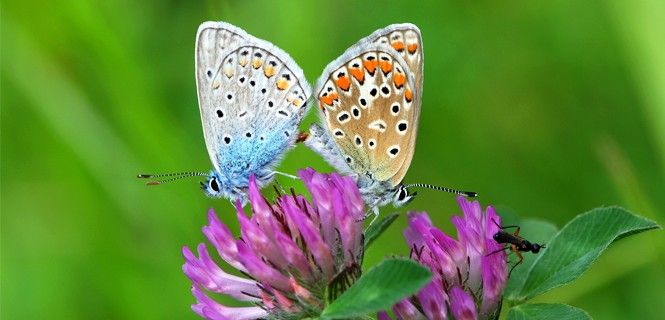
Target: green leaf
{"x": 379, "y": 288}
{"x": 536, "y": 231}
{"x": 376, "y": 229}
{"x": 576, "y": 247}
{"x": 538, "y": 311}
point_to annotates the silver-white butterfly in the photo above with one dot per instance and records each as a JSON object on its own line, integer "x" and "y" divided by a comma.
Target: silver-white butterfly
{"x": 369, "y": 101}
{"x": 252, "y": 96}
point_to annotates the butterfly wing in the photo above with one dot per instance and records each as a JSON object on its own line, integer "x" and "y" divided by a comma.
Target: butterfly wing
{"x": 406, "y": 39}
{"x": 370, "y": 104}
{"x": 214, "y": 40}
{"x": 251, "y": 96}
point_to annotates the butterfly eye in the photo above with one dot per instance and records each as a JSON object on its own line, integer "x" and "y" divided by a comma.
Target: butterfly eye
{"x": 402, "y": 195}
{"x": 214, "y": 185}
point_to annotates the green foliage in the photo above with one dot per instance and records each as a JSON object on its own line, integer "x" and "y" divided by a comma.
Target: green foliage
{"x": 376, "y": 229}
{"x": 576, "y": 247}
{"x": 544, "y": 311}
{"x": 379, "y": 288}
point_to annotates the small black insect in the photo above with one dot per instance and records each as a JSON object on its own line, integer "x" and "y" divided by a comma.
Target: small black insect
{"x": 515, "y": 243}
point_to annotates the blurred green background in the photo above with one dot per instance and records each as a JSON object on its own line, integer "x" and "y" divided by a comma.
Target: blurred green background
{"x": 546, "y": 108}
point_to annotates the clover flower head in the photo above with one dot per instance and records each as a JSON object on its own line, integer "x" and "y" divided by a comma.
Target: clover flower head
{"x": 295, "y": 254}
{"x": 469, "y": 273}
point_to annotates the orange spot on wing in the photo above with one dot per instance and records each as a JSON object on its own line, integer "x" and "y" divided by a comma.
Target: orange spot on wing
{"x": 386, "y": 66}
{"x": 412, "y": 48}
{"x": 256, "y": 63}
{"x": 408, "y": 95}
{"x": 282, "y": 84}
{"x": 399, "y": 79}
{"x": 269, "y": 71}
{"x": 370, "y": 65}
{"x": 327, "y": 99}
{"x": 344, "y": 83}
{"x": 358, "y": 73}
{"x": 398, "y": 45}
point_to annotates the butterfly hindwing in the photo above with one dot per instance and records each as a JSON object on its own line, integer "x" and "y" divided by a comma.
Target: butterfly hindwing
{"x": 252, "y": 99}
{"x": 367, "y": 101}
{"x": 406, "y": 39}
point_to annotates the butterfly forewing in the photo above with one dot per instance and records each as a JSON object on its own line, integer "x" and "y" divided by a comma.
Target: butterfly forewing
{"x": 252, "y": 98}
{"x": 405, "y": 38}
{"x": 367, "y": 99}
{"x": 213, "y": 42}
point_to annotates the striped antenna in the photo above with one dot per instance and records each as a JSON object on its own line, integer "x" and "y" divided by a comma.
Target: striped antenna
{"x": 175, "y": 176}
{"x": 468, "y": 194}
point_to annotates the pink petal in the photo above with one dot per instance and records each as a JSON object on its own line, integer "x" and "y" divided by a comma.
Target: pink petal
{"x": 433, "y": 300}
{"x": 319, "y": 187}
{"x": 350, "y": 228}
{"x": 211, "y": 309}
{"x": 494, "y": 271}
{"x": 259, "y": 241}
{"x": 221, "y": 238}
{"x": 405, "y": 310}
{"x": 261, "y": 271}
{"x": 294, "y": 256}
{"x": 462, "y": 305}
{"x": 311, "y": 236}
{"x": 206, "y": 273}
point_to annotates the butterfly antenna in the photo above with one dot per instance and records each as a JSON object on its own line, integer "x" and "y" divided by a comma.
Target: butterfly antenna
{"x": 468, "y": 194}
{"x": 175, "y": 176}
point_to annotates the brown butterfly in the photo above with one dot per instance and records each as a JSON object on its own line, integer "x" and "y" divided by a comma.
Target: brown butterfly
{"x": 369, "y": 100}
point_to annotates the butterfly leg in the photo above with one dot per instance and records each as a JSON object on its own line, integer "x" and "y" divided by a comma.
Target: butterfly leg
{"x": 376, "y": 215}
{"x": 286, "y": 175}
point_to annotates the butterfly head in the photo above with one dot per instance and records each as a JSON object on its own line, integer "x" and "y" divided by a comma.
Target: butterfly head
{"x": 401, "y": 196}
{"x": 216, "y": 186}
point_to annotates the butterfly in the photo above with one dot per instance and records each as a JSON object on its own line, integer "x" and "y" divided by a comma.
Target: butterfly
{"x": 252, "y": 97}
{"x": 369, "y": 102}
